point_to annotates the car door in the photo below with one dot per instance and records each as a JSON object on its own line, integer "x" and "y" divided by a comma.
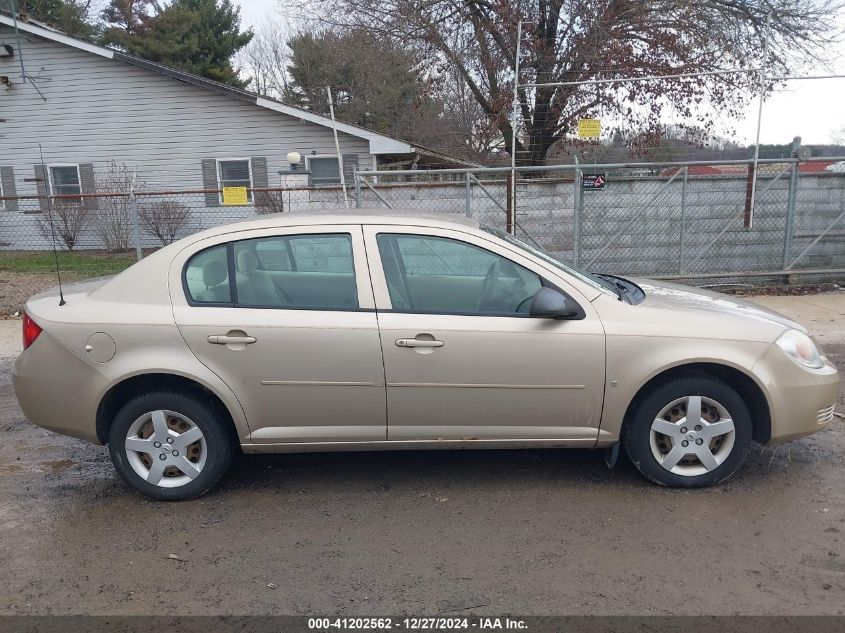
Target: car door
{"x": 463, "y": 360}
{"x": 286, "y": 318}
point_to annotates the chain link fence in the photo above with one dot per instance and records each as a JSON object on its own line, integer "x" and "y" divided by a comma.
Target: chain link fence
{"x": 117, "y": 222}
{"x": 693, "y": 220}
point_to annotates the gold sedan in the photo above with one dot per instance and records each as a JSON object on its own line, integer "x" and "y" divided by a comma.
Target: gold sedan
{"x": 337, "y": 332}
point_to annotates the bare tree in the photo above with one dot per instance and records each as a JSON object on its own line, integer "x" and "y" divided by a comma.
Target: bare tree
{"x": 464, "y": 131}
{"x": 265, "y": 59}
{"x": 112, "y": 219}
{"x": 163, "y": 219}
{"x": 584, "y": 40}
{"x": 66, "y": 220}
{"x": 838, "y": 136}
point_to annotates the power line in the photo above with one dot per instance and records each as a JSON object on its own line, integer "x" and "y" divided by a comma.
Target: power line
{"x": 587, "y": 82}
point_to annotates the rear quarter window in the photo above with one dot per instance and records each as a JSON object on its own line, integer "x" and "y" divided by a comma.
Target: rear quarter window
{"x": 207, "y": 276}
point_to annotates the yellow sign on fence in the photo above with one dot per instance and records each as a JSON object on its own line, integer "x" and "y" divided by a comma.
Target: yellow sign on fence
{"x": 589, "y": 128}
{"x": 235, "y": 196}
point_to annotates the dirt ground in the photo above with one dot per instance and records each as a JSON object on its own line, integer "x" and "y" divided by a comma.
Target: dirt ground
{"x": 16, "y": 288}
{"x": 494, "y": 532}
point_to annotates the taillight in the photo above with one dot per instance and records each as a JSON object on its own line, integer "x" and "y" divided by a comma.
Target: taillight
{"x": 31, "y": 330}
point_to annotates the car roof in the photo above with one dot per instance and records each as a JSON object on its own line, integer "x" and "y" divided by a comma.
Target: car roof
{"x": 345, "y": 216}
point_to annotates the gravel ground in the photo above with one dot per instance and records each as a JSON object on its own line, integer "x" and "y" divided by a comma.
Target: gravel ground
{"x": 526, "y": 532}
{"x": 16, "y": 288}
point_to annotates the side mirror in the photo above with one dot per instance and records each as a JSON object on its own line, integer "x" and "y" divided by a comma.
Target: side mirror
{"x": 549, "y": 303}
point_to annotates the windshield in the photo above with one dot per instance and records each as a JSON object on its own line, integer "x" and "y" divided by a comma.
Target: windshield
{"x": 588, "y": 278}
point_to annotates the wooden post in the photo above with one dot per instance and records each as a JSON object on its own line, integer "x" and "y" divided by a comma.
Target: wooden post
{"x": 749, "y": 196}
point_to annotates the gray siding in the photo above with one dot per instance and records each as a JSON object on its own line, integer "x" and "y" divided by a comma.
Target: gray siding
{"x": 99, "y": 110}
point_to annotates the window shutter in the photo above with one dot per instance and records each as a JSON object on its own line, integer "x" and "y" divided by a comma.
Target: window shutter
{"x": 209, "y": 182}
{"x": 7, "y": 180}
{"x": 259, "y": 172}
{"x": 350, "y": 164}
{"x": 87, "y": 185}
{"x": 258, "y": 165}
{"x": 41, "y": 185}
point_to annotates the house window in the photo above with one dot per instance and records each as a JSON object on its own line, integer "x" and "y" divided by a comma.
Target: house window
{"x": 235, "y": 172}
{"x": 65, "y": 180}
{"x": 324, "y": 170}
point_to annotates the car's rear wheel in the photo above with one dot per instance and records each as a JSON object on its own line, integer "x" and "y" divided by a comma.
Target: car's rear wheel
{"x": 689, "y": 432}
{"x": 169, "y": 446}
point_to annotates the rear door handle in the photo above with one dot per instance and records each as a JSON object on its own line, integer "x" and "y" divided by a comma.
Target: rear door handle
{"x": 222, "y": 339}
{"x": 414, "y": 342}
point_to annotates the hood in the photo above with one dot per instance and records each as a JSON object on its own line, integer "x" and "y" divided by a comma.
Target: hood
{"x": 669, "y": 296}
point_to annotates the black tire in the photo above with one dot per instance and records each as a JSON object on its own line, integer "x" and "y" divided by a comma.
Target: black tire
{"x": 218, "y": 442}
{"x": 637, "y": 430}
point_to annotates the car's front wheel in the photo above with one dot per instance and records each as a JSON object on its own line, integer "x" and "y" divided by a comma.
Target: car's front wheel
{"x": 689, "y": 432}
{"x": 169, "y": 446}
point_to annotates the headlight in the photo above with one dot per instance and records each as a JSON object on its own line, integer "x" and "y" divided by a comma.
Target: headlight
{"x": 801, "y": 348}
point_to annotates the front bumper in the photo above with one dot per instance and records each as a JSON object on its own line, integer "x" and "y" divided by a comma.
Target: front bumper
{"x": 56, "y": 390}
{"x": 801, "y": 400}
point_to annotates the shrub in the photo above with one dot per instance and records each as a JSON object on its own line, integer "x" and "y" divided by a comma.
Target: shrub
{"x": 269, "y": 201}
{"x": 163, "y": 219}
{"x": 112, "y": 221}
{"x": 65, "y": 220}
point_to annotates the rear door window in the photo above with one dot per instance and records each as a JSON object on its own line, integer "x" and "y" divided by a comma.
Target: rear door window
{"x": 314, "y": 272}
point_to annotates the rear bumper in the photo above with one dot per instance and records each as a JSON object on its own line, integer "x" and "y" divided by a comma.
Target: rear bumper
{"x": 801, "y": 400}
{"x": 56, "y": 390}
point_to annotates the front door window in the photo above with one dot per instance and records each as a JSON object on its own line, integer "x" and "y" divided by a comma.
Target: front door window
{"x": 439, "y": 275}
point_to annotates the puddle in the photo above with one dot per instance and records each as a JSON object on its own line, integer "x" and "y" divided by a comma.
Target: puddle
{"x": 55, "y": 466}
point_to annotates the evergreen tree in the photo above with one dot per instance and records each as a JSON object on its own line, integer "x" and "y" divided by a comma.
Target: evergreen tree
{"x": 198, "y": 36}
{"x": 375, "y": 83}
{"x": 127, "y": 19}
{"x": 68, "y": 16}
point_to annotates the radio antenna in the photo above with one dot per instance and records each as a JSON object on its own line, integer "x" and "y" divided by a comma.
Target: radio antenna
{"x": 47, "y": 197}
{"x": 24, "y": 76}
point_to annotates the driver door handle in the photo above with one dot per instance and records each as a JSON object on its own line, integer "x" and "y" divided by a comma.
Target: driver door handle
{"x": 414, "y": 342}
{"x": 222, "y": 339}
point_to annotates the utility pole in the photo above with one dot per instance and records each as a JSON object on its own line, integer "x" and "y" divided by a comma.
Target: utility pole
{"x": 337, "y": 148}
{"x": 512, "y": 183}
{"x": 762, "y": 88}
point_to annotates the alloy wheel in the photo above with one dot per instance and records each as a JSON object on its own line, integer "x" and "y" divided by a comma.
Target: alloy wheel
{"x": 692, "y": 435}
{"x": 166, "y": 448}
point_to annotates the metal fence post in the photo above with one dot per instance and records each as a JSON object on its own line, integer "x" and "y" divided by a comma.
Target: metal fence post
{"x": 468, "y": 196}
{"x": 510, "y": 204}
{"x": 789, "y": 226}
{"x": 357, "y": 178}
{"x": 681, "y": 245}
{"x": 133, "y": 212}
{"x": 576, "y": 216}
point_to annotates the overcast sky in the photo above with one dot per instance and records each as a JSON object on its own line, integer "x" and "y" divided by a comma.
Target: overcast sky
{"x": 811, "y": 109}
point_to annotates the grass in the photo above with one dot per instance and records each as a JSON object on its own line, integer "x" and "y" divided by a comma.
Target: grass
{"x": 79, "y": 264}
